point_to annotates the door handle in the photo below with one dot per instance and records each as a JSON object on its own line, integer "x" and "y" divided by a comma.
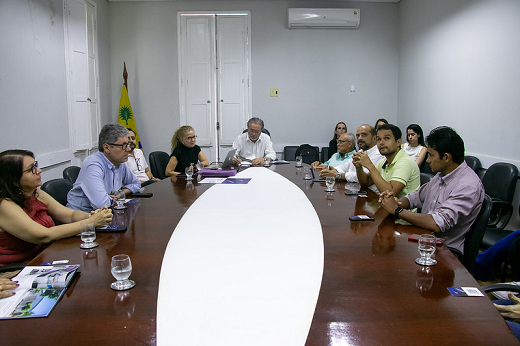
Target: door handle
{"x": 208, "y": 101}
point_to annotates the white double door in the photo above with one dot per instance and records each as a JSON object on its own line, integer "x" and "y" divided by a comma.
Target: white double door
{"x": 214, "y": 78}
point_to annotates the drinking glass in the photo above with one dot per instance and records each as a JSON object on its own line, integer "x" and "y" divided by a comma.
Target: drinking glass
{"x": 330, "y": 181}
{"x": 266, "y": 162}
{"x": 426, "y": 248}
{"x": 121, "y": 268}
{"x": 120, "y": 198}
{"x": 189, "y": 172}
{"x": 299, "y": 161}
{"x": 200, "y": 166}
{"x": 88, "y": 235}
{"x": 307, "y": 174}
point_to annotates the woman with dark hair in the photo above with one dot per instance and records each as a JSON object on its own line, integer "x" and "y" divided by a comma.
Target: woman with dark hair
{"x": 184, "y": 151}
{"x": 379, "y": 122}
{"x": 415, "y": 147}
{"x": 27, "y": 213}
{"x": 340, "y": 129}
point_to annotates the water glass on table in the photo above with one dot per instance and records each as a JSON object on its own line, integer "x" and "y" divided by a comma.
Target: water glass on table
{"x": 121, "y": 268}
{"x": 330, "y": 181}
{"x": 426, "y": 248}
{"x": 88, "y": 235}
{"x": 120, "y": 198}
{"x": 299, "y": 161}
{"x": 189, "y": 172}
{"x": 200, "y": 166}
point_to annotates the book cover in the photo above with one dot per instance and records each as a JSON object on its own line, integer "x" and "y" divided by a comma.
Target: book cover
{"x": 40, "y": 289}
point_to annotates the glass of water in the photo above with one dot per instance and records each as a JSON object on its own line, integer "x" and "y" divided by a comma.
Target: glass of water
{"x": 299, "y": 161}
{"x": 189, "y": 172}
{"x": 121, "y": 268}
{"x": 200, "y": 166}
{"x": 88, "y": 235}
{"x": 330, "y": 181}
{"x": 120, "y": 198}
{"x": 426, "y": 248}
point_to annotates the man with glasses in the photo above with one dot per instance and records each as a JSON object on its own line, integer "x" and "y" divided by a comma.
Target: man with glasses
{"x": 137, "y": 163}
{"x": 253, "y": 145}
{"x": 346, "y": 148}
{"x": 103, "y": 174}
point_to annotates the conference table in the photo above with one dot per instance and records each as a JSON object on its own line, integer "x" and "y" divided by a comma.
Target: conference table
{"x": 371, "y": 291}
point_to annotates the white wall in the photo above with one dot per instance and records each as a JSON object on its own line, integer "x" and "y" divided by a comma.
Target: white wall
{"x": 33, "y": 88}
{"x": 459, "y": 66}
{"x": 312, "y": 68}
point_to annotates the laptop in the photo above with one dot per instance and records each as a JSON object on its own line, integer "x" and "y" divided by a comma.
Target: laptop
{"x": 227, "y": 162}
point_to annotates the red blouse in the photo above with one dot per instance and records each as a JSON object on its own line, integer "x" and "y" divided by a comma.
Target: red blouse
{"x": 15, "y": 250}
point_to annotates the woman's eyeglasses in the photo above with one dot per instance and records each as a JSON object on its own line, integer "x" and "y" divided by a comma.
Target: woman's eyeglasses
{"x": 33, "y": 169}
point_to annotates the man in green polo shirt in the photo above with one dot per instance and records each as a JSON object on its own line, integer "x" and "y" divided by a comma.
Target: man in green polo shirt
{"x": 397, "y": 172}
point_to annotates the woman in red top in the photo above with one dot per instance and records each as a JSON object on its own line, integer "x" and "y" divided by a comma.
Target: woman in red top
{"x": 27, "y": 213}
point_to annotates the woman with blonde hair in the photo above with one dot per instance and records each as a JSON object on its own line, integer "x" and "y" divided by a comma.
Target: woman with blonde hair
{"x": 184, "y": 151}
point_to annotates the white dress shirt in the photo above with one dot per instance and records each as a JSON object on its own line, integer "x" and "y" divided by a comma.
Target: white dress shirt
{"x": 349, "y": 169}
{"x": 263, "y": 147}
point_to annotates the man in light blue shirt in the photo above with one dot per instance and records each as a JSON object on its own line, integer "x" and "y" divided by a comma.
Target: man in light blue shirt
{"x": 103, "y": 173}
{"x": 346, "y": 148}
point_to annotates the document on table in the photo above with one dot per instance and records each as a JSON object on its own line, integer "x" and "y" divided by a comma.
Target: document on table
{"x": 212, "y": 180}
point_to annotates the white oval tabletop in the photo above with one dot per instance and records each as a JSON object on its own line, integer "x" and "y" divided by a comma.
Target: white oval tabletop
{"x": 243, "y": 266}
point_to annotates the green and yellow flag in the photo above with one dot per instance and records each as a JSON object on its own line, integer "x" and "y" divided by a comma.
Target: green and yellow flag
{"x": 125, "y": 116}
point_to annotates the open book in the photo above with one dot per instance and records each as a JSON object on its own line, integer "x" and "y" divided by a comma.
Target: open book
{"x": 40, "y": 289}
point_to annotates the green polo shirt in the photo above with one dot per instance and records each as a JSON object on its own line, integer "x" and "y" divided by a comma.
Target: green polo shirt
{"x": 402, "y": 169}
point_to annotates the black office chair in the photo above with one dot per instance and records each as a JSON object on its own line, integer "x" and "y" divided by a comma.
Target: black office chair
{"x": 425, "y": 167}
{"x": 58, "y": 189}
{"x": 324, "y": 154}
{"x": 263, "y": 131}
{"x": 308, "y": 153}
{"x": 71, "y": 173}
{"x": 474, "y": 163}
{"x": 289, "y": 152}
{"x": 425, "y": 178}
{"x": 474, "y": 236}
{"x": 500, "y": 183}
{"x": 158, "y": 162}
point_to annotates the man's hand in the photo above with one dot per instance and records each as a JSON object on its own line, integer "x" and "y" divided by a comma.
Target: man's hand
{"x": 257, "y": 161}
{"x": 361, "y": 159}
{"x": 511, "y": 312}
{"x": 328, "y": 173}
{"x": 388, "y": 201}
{"x": 236, "y": 161}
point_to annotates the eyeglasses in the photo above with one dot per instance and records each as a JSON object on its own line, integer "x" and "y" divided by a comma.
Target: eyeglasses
{"x": 254, "y": 131}
{"x": 33, "y": 169}
{"x": 123, "y": 146}
{"x": 341, "y": 141}
{"x": 192, "y": 138}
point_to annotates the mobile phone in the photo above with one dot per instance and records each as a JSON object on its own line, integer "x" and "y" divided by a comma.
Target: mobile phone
{"x": 361, "y": 218}
{"x": 111, "y": 228}
{"x": 415, "y": 237}
{"x": 355, "y": 193}
{"x": 142, "y": 194}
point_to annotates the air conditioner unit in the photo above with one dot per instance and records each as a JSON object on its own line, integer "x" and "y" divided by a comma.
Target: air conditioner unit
{"x": 331, "y": 18}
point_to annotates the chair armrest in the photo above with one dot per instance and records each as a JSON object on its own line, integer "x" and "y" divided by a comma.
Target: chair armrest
{"x": 501, "y": 287}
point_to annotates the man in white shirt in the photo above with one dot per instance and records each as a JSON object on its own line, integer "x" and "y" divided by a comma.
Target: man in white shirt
{"x": 253, "y": 145}
{"x": 137, "y": 162}
{"x": 366, "y": 141}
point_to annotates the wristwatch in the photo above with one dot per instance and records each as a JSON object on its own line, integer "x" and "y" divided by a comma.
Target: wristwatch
{"x": 397, "y": 211}
{"x": 338, "y": 176}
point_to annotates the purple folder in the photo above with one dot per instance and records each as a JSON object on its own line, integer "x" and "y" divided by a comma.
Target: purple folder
{"x": 217, "y": 173}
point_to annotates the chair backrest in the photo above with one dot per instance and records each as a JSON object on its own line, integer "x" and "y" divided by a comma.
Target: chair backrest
{"x": 500, "y": 181}
{"x": 158, "y": 162}
{"x": 58, "y": 189}
{"x": 308, "y": 153}
{"x": 476, "y": 233}
{"x": 263, "y": 131}
{"x": 289, "y": 152}
{"x": 425, "y": 177}
{"x": 474, "y": 163}
{"x": 324, "y": 154}
{"x": 71, "y": 173}
{"x": 425, "y": 167}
